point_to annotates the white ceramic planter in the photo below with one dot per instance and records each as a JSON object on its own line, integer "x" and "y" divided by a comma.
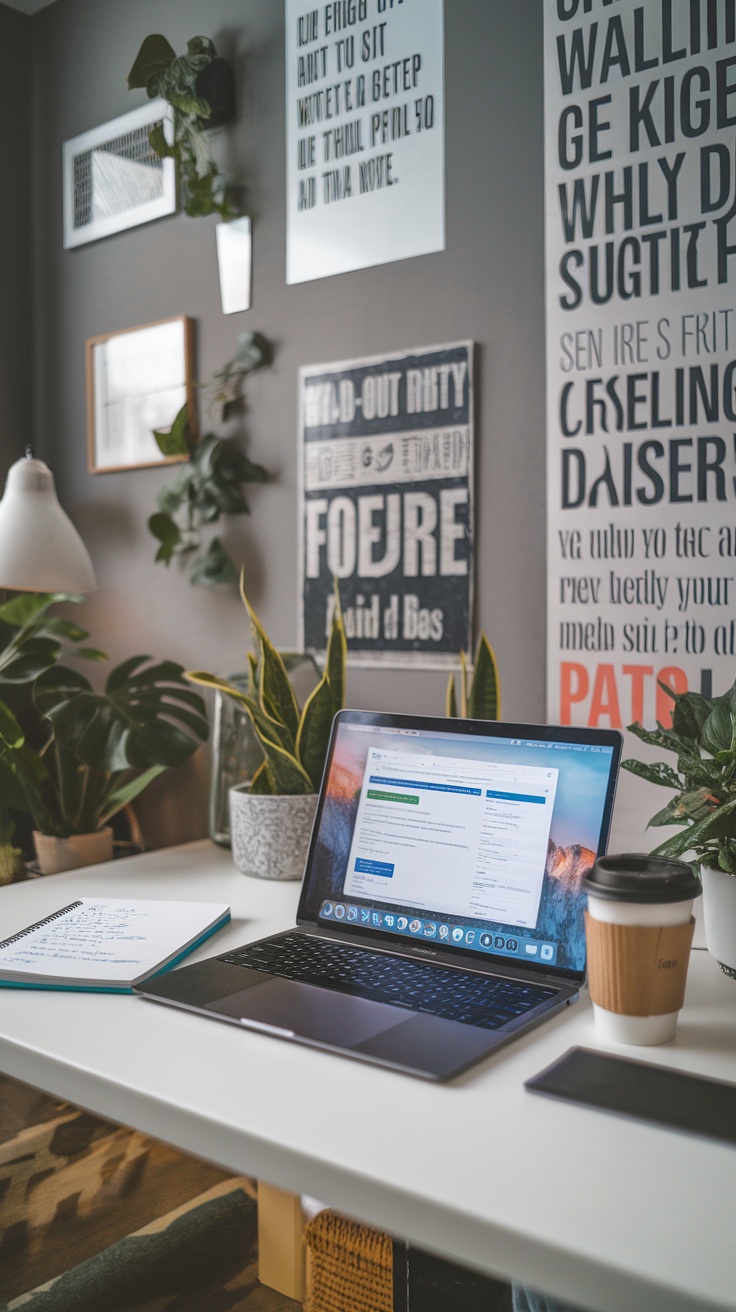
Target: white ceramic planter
{"x": 270, "y": 835}
{"x": 57, "y": 854}
{"x": 719, "y": 914}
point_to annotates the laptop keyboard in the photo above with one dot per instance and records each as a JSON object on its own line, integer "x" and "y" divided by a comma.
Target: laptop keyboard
{"x": 488, "y": 1002}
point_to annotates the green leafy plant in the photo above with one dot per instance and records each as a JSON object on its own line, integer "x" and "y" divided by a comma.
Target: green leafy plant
{"x": 208, "y": 486}
{"x": 482, "y": 700}
{"x": 71, "y": 757}
{"x": 703, "y": 738}
{"x": 294, "y": 740}
{"x": 187, "y": 83}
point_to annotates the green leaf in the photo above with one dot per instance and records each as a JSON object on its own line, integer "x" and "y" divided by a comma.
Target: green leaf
{"x": 690, "y": 714}
{"x": 719, "y": 730}
{"x": 451, "y": 699}
{"x": 144, "y": 718}
{"x": 153, "y": 58}
{"x": 29, "y": 606}
{"x": 11, "y": 734}
{"x": 163, "y": 527}
{"x": 175, "y": 441}
{"x": 285, "y": 773}
{"x": 266, "y": 727}
{"x": 654, "y": 773}
{"x": 313, "y": 737}
{"x": 126, "y": 793}
{"x": 157, "y": 138}
{"x": 484, "y": 698}
{"x": 92, "y": 654}
{"x": 336, "y": 659}
{"x": 275, "y": 691}
{"x": 720, "y": 823}
{"x": 22, "y": 663}
{"x": 214, "y": 566}
{"x": 253, "y": 352}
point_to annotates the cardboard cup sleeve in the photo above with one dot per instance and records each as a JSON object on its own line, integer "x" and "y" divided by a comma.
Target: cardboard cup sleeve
{"x": 638, "y": 970}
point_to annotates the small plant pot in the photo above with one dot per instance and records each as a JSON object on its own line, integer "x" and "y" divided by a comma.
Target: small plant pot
{"x": 57, "y": 854}
{"x": 719, "y": 914}
{"x": 270, "y": 835}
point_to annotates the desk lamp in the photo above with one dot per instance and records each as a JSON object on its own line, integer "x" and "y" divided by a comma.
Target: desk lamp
{"x": 40, "y": 549}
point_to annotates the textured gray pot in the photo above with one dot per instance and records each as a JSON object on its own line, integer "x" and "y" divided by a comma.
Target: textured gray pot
{"x": 270, "y": 835}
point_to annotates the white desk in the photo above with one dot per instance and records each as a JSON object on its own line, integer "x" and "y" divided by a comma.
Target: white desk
{"x": 611, "y": 1214}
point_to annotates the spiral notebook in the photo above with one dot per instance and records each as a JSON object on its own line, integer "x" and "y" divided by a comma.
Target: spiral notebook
{"x": 107, "y": 944}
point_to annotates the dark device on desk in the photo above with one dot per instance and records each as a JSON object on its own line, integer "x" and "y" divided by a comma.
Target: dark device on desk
{"x": 441, "y": 913}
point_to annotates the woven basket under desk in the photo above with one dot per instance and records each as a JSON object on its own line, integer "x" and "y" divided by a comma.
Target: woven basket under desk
{"x": 350, "y": 1266}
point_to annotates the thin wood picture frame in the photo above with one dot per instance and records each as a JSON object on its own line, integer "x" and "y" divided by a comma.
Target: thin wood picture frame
{"x": 113, "y": 178}
{"x": 138, "y": 379}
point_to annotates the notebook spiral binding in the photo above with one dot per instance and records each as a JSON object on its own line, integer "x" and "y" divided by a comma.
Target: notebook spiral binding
{"x": 6, "y": 942}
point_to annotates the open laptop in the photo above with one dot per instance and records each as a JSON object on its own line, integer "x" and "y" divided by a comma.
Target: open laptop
{"x": 441, "y": 913}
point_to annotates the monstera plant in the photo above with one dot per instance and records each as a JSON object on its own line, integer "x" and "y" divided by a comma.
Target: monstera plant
{"x": 71, "y": 757}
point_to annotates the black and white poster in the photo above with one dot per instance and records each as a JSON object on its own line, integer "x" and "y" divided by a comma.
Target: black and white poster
{"x": 386, "y": 460}
{"x": 365, "y": 134}
{"x": 641, "y": 362}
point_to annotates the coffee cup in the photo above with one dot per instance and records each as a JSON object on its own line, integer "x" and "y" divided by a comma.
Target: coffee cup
{"x": 639, "y": 930}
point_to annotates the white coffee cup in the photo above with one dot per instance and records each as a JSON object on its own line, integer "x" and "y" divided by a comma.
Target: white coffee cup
{"x": 638, "y": 891}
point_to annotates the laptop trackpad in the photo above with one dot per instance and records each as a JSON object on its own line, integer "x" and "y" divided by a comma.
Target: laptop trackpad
{"x": 311, "y": 1013}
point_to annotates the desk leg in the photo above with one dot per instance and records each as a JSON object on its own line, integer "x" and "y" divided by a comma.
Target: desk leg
{"x": 281, "y": 1249}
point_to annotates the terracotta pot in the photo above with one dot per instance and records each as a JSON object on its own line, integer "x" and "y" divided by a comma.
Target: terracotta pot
{"x": 57, "y": 854}
{"x": 270, "y": 835}
{"x": 719, "y": 914}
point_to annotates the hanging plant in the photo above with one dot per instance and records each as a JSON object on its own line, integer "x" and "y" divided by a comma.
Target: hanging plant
{"x": 199, "y": 86}
{"x": 208, "y": 486}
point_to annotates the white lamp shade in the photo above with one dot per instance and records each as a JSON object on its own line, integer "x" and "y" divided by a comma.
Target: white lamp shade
{"x": 40, "y": 549}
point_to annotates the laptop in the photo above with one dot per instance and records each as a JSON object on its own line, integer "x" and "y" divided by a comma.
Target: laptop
{"x": 441, "y": 913}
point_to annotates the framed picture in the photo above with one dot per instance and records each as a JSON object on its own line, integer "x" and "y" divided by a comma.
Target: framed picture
{"x": 113, "y": 178}
{"x": 137, "y": 380}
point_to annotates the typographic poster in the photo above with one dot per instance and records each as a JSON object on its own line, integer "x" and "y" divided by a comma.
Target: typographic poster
{"x": 641, "y": 361}
{"x": 365, "y": 134}
{"x": 386, "y": 459}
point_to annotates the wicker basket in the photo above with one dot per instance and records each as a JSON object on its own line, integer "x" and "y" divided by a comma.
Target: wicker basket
{"x": 350, "y": 1266}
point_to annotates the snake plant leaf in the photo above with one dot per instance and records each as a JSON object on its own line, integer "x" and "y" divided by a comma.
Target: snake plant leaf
{"x": 313, "y": 737}
{"x": 266, "y": 727}
{"x": 213, "y": 566}
{"x": 284, "y": 772}
{"x": 337, "y": 648}
{"x": 261, "y": 783}
{"x": 153, "y": 58}
{"x": 275, "y": 691}
{"x": 174, "y": 441}
{"x": 140, "y": 720}
{"x": 463, "y": 685}
{"x": 451, "y": 699}
{"x": 655, "y": 773}
{"x": 484, "y": 701}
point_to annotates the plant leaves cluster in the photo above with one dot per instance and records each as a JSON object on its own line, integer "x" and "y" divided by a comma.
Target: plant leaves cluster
{"x": 294, "y": 740}
{"x": 482, "y": 700}
{"x": 703, "y": 740}
{"x": 71, "y": 757}
{"x": 208, "y": 485}
{"x": 177, "y": 78}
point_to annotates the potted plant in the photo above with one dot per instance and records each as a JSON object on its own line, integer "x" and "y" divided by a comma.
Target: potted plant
{"x": 482, "y": 700}
{"x": 703, "y": 738}
{"x": 200, "y": 88}
{"x": 271, "y": 818}
{"x": 70, "y": 757}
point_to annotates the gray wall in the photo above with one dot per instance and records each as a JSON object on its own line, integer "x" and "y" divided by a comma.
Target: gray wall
{"x": 487, "y": 286}
{"x": 16, "y": 115}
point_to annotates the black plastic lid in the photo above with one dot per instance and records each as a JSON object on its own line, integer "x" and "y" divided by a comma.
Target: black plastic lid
{"x": 639, "y": 877}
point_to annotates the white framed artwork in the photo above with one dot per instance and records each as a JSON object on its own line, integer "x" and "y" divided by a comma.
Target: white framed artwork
{"x": 137, "y": 381}
{"x": 113, "y": 178}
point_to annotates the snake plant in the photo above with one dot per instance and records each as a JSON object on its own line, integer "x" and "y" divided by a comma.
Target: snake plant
{"x": 294, "y": 740}
{"x": 482, "y": 700}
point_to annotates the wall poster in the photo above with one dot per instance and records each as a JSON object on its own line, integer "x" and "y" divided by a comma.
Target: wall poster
{"x": 641, "y": 362}
{"x": 386, "y": 461}
{"x": 365, "y": 134}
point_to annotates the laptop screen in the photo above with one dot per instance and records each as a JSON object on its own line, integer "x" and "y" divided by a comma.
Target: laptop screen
{"x": 462, "y": 834}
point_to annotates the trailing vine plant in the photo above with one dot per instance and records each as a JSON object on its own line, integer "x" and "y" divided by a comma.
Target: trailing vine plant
{"x": 199, "y": 87}
{"x": 208, "y": 485}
